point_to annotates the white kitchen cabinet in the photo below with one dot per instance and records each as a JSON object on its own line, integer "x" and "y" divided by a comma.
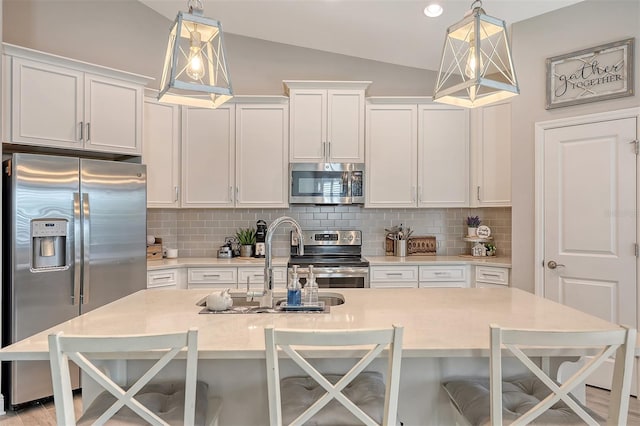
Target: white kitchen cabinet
{"x": 443, "y": 156}
{"x": 161, "y": 153}
{"x": 208, "y": 157}
{"x": 256, "y": 278}
{"x": 59, "y": 102}
{"x": 262, "y": 153}
{"x": 212, "y": 278}
{"x": 491, "y": 135}
{"x": 491, "y": 276}
{"x": 393, "y": 276}
{"x": 417, "y": 154}
{"x": 326, "y": 121}
{"x": 391, "y": 167}
{"x": 444, "y": 276}
{"x": 163, "y": 279}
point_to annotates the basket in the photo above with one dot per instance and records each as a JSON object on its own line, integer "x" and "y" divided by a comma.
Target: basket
{"x": 154, "y": 251}
{"x": 421, "y": 246}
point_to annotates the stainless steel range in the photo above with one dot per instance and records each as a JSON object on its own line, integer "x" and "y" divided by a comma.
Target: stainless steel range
{"x": 336, "y": 257}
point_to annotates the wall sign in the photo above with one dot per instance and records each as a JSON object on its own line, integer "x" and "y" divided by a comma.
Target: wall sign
{"x": 594, "y": 74}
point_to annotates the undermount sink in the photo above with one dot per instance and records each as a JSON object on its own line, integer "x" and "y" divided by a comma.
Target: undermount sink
{"x": 240, "y": 299}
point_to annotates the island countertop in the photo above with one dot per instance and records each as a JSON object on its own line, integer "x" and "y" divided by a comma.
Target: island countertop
{"x": 438, "y": 322}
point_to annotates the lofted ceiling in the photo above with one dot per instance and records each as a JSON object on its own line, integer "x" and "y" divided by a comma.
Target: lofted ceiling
{"x": 392, "y": 31}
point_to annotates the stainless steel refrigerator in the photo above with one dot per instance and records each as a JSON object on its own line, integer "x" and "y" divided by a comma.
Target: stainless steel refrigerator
{"x": 74, "y": 239}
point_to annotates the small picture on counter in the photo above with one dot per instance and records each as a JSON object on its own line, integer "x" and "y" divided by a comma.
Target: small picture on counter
{"x": 483, "y": 231}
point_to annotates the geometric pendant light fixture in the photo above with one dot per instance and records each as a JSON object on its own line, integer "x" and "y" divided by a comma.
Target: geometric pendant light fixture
{"x": 476, "y": 67}
{"x": 195, "y": 69}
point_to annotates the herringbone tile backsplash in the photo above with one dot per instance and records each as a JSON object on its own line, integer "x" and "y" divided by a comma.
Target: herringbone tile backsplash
{"x": 200, "y": 232}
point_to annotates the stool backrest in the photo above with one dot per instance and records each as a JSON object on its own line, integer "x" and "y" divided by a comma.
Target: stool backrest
{"x": 375, "y": 339}
{"x": 620, "y": 343}
{"x": 82, "y": 349}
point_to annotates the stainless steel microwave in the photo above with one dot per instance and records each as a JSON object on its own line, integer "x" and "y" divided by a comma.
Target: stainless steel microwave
{"x": 326, "y": 183}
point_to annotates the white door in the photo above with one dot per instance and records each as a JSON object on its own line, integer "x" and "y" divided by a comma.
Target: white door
{"x": 345, "y": 126}
{"x": 308, "y": 125}
{"x": 590, "y": 219}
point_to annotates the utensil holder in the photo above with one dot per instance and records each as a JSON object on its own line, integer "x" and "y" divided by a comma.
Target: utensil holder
{"x": 400, "y": 248}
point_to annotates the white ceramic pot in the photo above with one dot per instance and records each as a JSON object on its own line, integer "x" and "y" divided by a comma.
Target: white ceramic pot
{"x": 472, "y": 232}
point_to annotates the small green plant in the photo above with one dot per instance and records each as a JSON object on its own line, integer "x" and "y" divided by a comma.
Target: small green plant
{"x": 473, "y": 221}
{"x": 246, "y": 237}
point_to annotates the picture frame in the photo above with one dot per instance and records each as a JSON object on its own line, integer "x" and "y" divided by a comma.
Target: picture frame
{"x": 589, "y": 75}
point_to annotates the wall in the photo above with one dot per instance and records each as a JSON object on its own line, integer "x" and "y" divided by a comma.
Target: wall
{"x": 199, "y": 233}
{"x": 127, "y": 35}
{"x": 576, "y": 27}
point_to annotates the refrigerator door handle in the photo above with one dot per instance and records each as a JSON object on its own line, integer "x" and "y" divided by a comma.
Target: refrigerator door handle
{"x": 86, "y": 229}
{"x": 75, "y": 291}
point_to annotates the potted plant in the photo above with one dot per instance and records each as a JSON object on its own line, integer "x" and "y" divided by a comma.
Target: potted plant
{"x": 472, "y": 225}
{"x": 246, "y": 238}
{"x": 491, "y": 249}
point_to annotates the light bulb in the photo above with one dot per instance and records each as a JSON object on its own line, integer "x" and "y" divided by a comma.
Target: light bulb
{"x": 195, "y": 67}
{"x": 433, "y": 10}
{"x": 471, "y": 69}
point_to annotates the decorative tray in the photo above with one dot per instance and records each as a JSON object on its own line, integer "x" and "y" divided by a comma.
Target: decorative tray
{"x": 422, "y": 246}
{"x": 303, "y": 308}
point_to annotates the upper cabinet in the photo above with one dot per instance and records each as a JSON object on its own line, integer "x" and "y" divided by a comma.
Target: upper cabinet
{"x": 417, "y": 154}
{"x": 236, "y": 155}
{"x": 161, "y": 153}
{"x": 58, "y": 102}
{"x": 491, "y": 154}
{"x": 326, "y": 121}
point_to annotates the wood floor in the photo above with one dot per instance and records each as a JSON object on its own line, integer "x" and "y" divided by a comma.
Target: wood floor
{"x": 45, "y": 414}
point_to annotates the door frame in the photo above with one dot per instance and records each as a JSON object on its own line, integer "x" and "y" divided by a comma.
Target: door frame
{"x": 540, "y": 128}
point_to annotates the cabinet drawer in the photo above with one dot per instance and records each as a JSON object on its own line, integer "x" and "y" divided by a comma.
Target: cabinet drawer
{"x": 492, "y": 275}
{"x": 212, "y": 275}
{"x": 488, "y": 285}
{"x": 443, "y": 273}
{"x": 448, "y": 284}
{"x": 256, "y": 277}
{"x": 392, "y": 284}
{"x": 392, "y": 273}
{"x": 162, "y": 278}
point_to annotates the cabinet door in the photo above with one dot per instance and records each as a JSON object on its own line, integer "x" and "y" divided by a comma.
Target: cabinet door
{"x": 345, "y": 126}
{"x": 46, "y": 105}
{"x": 391, "y": 147}
{"x": 161, "y": 153}
{"x": 308, "y": 115}
{"x": 113, "y": 115}
{"x": 208, "y": 157}
{"x": 162, "y": 279}
{"x": 443, "y": 156}
{"x": 262, "y": 155}
{"x": 255, "y": 275}
{"x": 493, "y": 156}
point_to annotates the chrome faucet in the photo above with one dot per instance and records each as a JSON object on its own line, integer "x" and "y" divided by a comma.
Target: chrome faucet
{"x": 267, "y": 293}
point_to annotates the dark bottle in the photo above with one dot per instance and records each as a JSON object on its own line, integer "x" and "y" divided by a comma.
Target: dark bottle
{"x": 261, "y": 237}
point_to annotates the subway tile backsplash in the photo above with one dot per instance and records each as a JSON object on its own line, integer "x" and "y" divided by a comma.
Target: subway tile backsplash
{"x": 200, "y": 232}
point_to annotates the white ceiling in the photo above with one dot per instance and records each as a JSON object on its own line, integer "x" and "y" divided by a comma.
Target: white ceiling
{"x": 393, "y": 31}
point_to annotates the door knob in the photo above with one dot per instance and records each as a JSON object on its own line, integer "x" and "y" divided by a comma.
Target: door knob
{"x": 552, "y": 264}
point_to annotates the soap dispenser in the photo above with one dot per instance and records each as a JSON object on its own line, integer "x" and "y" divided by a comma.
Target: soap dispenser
{"x": 311, "y": 289}
{"x": 293, "y": 289}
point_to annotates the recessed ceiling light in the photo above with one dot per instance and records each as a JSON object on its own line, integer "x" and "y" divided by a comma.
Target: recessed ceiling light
{"x": 433, "y": 10}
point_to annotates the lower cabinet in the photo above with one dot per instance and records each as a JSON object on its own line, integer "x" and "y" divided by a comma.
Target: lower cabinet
{"x": 444, "y": 276}
{"x": 163, "y": 279}
{"x": 234, "y": 277}
{"x": 393, "y": 277}
{"x": 491, "y": 276}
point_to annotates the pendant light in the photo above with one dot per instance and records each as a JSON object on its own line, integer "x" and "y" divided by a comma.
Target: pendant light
{"x": 476, "y": 67}
{"x": 195, "y": 69}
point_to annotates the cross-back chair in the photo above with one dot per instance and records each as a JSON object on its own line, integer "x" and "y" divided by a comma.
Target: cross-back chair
{"x": 163, "y": 403}
{"x": 537, "y": 398}
{"x": 356, "y": 397}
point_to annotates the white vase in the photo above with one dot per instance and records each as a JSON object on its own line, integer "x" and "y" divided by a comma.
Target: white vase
{"x": 472, "y": 232}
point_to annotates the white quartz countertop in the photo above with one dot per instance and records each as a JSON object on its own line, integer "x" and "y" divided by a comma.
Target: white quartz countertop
{"x": 438, "y": 322}
{"x": 195, "y": 262}
{"x": 504, "y": 262}
{"x": 199, "y": 262}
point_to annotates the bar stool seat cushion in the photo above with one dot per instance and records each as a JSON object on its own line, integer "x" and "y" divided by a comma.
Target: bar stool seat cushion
{"x": 165, "y": 399}
{"x": 519, "y": 394}
{"x": 367, "y": 391}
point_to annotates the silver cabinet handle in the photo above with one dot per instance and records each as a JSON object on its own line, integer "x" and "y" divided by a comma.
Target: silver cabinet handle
{"x": 175, "y": 188}
{"x": 237, "y": 193}
{"x": 552, "y": 264}
{"x": 420, "y": 193}
{"x": 86, "y": 266}
{"x": 211, "y": 275}
{"x": 478, "y": 193}
{"x": 393, "y": 274}
{"x": 324, "y": 150}
{"x": 231, "y": 193}
{"x": 328, "y": 150}
{"x": 88, "y": 132}
{"x": 484, "y": 274}
{"x": 77, "y": 239}
{"x": 81, "y": 130}
{"x": 442, "y": 273}
{"x": 258, "y": 275}
{"x": 162, "y": 278}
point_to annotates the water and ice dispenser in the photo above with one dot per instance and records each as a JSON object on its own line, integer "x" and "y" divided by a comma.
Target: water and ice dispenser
{"x": 48, "y": 244}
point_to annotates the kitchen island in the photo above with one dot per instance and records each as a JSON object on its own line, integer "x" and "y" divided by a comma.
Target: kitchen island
{"x": 446, "y": 334}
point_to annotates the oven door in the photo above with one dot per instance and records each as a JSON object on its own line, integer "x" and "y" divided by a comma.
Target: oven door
{"x": 339, "y": 277}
